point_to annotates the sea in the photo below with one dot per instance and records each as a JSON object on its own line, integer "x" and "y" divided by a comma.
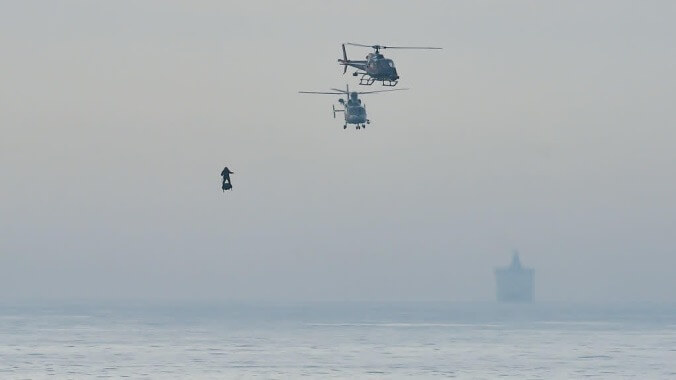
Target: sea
{"x": 347, "y": 340}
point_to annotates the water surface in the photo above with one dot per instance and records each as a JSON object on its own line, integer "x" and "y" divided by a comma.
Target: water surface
{"x": 336, "y": 340}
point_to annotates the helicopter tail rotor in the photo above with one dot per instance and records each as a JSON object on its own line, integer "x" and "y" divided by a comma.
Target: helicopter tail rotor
{"x": 344, "y": 60}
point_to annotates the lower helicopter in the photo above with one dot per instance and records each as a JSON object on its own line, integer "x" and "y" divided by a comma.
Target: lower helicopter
{"x": 353, "y": 110}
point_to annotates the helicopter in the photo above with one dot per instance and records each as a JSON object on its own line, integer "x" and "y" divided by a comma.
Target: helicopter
{"x": 376, "y": 67}
{"x": 353, "y": 109}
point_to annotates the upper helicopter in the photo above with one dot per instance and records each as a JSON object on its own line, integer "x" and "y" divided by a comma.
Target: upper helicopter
{"x": 376, "y": 67}
{"x": 353, "y": 109}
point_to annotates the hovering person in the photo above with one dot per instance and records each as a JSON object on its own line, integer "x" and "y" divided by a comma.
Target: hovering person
{"x": 227, "y": 185}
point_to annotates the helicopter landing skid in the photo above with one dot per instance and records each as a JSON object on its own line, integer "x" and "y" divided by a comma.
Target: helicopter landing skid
{"x": 366, "y": 80}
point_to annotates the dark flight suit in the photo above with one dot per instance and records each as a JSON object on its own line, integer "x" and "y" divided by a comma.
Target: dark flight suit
{"x": 226, "y": 175}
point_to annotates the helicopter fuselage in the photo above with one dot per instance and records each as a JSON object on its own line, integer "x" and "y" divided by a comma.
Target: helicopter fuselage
{"x": 353, "y": 110}
{"x": 355, "y": 115}
{"x": 380, "y": 68}
{"x": 377, "y": 67}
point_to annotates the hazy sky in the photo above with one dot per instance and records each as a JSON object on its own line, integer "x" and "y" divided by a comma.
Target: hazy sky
{"x": 547, "y": 127}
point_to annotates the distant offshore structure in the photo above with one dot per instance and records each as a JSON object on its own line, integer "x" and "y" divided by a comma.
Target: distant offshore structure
{"x": 515, "y": 282}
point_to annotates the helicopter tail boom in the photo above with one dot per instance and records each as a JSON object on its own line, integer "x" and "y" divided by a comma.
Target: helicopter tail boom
{"x": 361, "y": 65}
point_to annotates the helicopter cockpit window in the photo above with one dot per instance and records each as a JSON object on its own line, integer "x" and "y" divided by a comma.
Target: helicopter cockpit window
{"x": 385, "y": 64}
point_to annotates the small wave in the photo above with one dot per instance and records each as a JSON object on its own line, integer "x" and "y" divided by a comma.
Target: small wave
{"x": 595, "y": 357}
{"x": 400, "y": 324}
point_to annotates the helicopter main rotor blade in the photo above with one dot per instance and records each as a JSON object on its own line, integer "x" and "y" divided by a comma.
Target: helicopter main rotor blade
{"x": 410, "y": 47}
{"x": 323, "y": 93}
{"x": 341, "y": 91}
{"x": 393, "y": 47}
{"x": 373, "y": 92}
{"x": 362, "y": 45}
